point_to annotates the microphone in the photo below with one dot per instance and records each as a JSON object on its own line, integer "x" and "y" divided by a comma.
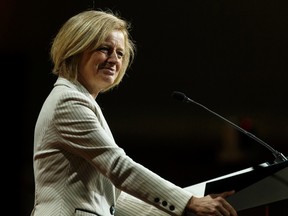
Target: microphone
{"x": 279, "y": 157}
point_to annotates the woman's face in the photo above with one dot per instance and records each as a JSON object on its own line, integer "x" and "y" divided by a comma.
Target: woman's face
{"x": 99, "y": 68}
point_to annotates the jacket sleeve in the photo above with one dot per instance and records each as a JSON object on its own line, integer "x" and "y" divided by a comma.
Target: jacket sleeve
{"x": 128, "y": 205}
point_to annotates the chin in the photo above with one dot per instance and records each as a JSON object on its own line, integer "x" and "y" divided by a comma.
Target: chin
{"x": 108, "y": 83}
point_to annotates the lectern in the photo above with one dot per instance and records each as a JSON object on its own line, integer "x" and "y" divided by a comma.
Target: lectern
{"x": 255, "y": 186}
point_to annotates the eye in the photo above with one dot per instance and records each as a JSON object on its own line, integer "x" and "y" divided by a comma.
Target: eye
{"x": 120, "y": 54}
{"x": 103, "y": 49}
{"x": 109, "y": 51}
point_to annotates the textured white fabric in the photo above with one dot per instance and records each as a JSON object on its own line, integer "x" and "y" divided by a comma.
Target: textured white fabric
{"x": 130, "y": 206}
{"x": 78, "y": 165}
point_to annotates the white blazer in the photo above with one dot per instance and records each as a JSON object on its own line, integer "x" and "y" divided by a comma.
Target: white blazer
{"x": 80, "y": 170}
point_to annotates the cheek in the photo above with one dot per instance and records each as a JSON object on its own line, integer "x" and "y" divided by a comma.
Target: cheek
{"x": 86, "y": 62}
{"x": 119, "y": 66}
{"x": 93, "y": 64}
{"x": 96, "y": 58}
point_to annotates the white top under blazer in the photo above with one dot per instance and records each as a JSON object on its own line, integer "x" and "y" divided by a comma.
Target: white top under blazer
{"x": 80, "y": 170}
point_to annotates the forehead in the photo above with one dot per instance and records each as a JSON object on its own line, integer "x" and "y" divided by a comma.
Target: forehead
{"x": 116, "y": 38}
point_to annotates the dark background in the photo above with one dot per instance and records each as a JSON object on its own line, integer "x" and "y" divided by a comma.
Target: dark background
{"x": 230, "y": 56}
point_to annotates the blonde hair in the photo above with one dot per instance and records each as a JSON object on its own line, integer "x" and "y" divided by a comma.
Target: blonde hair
{"x": 86, "y": 31}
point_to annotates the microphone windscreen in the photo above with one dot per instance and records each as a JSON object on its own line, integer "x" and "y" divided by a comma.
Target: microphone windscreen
{"x": 178, "y": 95}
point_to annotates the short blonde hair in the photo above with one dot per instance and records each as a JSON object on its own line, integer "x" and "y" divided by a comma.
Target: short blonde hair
{"x": 86, "y": 31}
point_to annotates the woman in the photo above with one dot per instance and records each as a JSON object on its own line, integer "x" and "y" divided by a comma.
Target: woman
{"x": 79, "y": 169}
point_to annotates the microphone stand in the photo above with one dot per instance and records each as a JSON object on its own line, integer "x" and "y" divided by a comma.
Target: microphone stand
{"x": 279, "y": 157}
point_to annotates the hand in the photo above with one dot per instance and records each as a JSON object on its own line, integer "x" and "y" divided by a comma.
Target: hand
{"x": 211, "y": 205}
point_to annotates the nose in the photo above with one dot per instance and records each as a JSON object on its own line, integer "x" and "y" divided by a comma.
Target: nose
{"x": 113, "y": 57}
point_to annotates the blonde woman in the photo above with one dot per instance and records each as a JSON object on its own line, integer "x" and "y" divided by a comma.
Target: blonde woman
{"x": 79, "y": 169}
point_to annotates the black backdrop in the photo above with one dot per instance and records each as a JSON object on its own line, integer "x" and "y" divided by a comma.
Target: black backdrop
{"x": 230, "y": 56}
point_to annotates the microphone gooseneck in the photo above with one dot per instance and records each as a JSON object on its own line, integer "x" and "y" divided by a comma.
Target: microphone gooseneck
{"x": 279, "y": 157}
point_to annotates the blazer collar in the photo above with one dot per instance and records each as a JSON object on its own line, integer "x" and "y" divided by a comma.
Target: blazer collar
{"x": 74, "y": 85}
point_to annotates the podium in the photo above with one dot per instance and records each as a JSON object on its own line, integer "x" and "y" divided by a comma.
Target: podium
{"x": 254, "y": 186}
